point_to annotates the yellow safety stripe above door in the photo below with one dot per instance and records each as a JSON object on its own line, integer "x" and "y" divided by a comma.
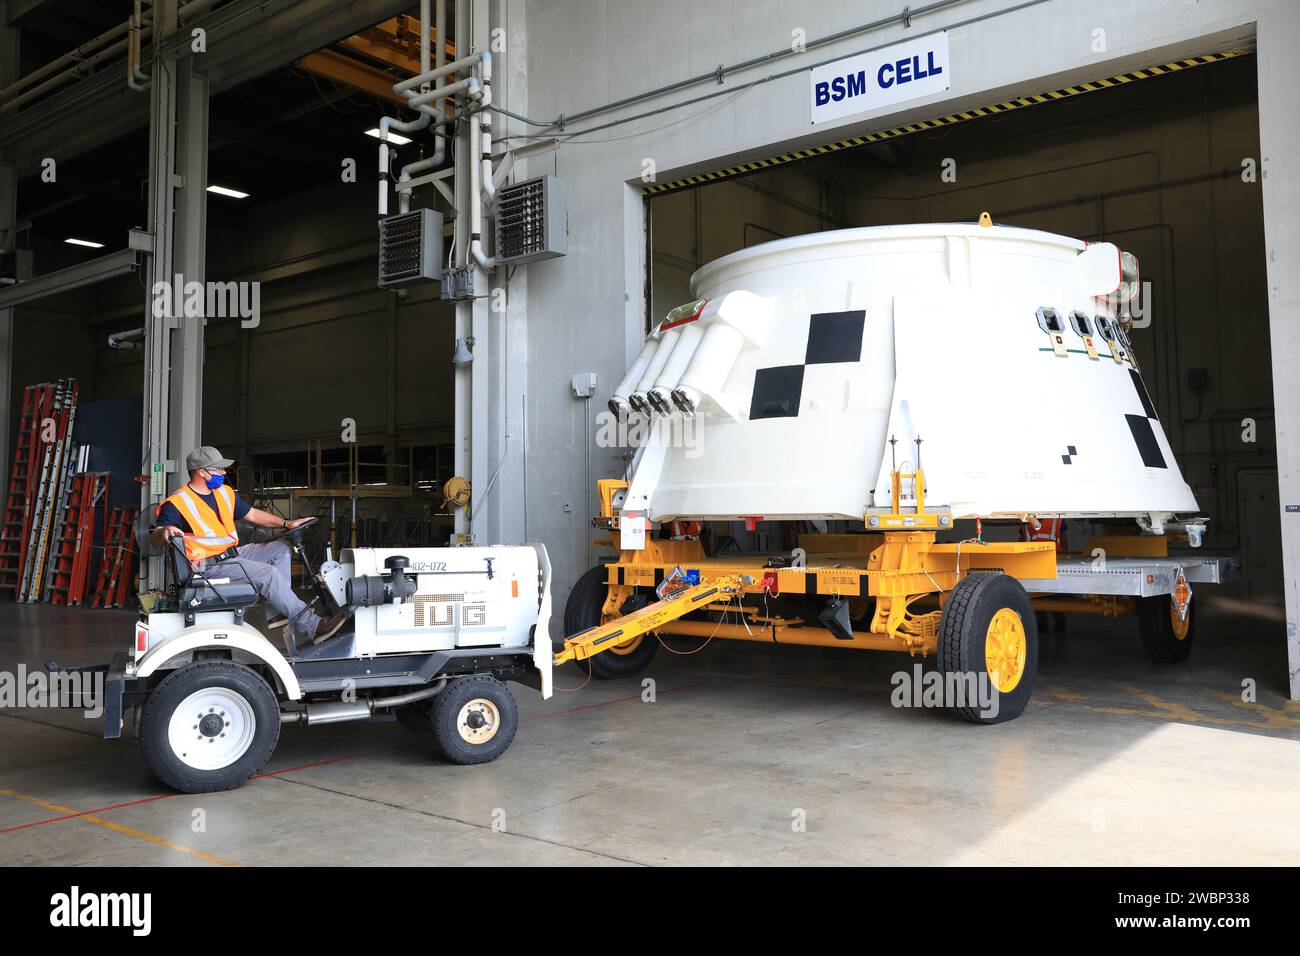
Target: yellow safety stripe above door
{"x": 740, "y": 169}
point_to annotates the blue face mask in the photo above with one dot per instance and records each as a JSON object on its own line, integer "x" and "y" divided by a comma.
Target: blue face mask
{"x": 215, "y": 482}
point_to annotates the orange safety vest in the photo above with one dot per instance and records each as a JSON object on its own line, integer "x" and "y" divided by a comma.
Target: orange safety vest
{"x": 1049, "y": 529}
{"x": 210, "y": 534}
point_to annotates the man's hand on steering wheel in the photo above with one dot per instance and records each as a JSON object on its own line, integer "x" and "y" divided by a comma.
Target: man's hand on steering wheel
{"x": 289, "y": 527}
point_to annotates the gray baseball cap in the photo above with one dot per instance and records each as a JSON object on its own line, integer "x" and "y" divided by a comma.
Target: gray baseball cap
{"x": 206, "y": 457}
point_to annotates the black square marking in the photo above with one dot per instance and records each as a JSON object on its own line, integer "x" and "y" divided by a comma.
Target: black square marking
{"x": 1145, "y": 439}
{"x": 1068, "y": 457}
{"x": 1142, "y": 394}
{"x": 835, "y": 337}
{"x": 777, "y": 391}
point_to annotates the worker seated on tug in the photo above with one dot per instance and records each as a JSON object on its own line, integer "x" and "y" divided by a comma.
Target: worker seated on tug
{"x": 203, "y": 513}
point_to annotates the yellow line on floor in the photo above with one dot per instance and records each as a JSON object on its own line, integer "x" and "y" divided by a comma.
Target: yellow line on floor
{"x": 119, "y": 828}
{"x": 1056, "y": 690}
{"x": 1271, "y": 717}
{"x": 1166, "y": 707}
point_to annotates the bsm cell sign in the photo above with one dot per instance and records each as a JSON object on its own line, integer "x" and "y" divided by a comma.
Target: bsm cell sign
{"x": 881, "y": 78}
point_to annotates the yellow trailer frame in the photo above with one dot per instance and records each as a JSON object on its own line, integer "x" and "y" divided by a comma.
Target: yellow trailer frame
{"x": 897, "y": 561}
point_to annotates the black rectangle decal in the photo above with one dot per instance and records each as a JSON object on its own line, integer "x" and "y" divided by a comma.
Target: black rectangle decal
{"x": 1145, "y": 439}
{"x": 776, "y": 392}
{"x": 835, "y": 337}
{"x": 1142, "y": 394}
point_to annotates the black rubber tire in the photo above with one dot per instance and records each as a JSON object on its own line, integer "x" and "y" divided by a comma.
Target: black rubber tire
{"x": 415, "y": 717}
{"x": 963, "y": 630}
{"x": 175, "y": 688}
{"x": 446, "y": 709}
{"x": 1157, "y": 629}
{"x": 582, "y": 611}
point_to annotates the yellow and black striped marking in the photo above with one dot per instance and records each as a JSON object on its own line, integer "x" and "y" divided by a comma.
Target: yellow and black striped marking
{"x": 741, "y": 169}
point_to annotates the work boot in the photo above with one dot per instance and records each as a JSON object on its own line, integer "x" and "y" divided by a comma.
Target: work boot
{"x": 327, "y": 627}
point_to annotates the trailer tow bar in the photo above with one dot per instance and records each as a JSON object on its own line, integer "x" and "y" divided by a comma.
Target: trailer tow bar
{"x": 588, "y": 643}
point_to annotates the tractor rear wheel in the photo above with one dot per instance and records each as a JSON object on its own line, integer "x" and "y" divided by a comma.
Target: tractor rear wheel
{"x": 209, "y": 726}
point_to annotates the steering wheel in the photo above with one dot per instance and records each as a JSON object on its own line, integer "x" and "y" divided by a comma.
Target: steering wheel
{"x": 293, "y": 535}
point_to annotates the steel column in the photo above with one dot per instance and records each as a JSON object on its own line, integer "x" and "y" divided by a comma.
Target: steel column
{"x": 163, "y": 181}
{"x": 189, "y": 245}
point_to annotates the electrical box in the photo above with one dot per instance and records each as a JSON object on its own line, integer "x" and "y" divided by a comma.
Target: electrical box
{"x": 584, "y": 384}
{"x": 531, "y": 222}
{"x": 410, "y": 248}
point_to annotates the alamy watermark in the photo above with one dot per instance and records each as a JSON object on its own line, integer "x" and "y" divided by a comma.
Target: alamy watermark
{"x": 636, "y": 430}
{"x": 922, "y": 688}
{"x": 83, "y": 690}
{"x": 208, "y": 300}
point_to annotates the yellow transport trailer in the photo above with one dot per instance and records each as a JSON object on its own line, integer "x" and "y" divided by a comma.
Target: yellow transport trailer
{"x": 892, "y": 587}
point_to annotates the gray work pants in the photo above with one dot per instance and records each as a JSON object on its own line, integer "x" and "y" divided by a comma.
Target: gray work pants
{"x": 267, "y": 566}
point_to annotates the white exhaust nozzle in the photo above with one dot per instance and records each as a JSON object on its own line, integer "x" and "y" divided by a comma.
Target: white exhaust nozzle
{"x": 660, "y": 400}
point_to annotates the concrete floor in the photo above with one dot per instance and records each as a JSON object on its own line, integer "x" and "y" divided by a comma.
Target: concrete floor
{"x": 1116, "y": 761}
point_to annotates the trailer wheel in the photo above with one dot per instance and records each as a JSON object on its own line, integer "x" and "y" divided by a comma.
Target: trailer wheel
{"x": 582, "y": 611}
{"x": 474, "y": 719}
{"x": 209, "y": 726}
{"x": 988, "y": 630}
{"x": 1166, "y": 637}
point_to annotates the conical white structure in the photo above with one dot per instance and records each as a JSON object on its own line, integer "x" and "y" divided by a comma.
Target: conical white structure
{"x": 996, "y": 347}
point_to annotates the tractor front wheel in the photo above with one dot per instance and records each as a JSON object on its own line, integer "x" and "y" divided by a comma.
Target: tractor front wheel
{"x": 474, "y": 719}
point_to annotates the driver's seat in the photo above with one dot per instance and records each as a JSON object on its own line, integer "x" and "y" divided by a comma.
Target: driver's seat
{"x": 213, "y": 589}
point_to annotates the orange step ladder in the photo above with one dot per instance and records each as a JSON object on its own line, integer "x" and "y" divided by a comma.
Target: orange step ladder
{"x": 72, "y": 559}
{"x": 49, "y": 491}
{"x": 20, "y": 502}
{"x": 115, "y": 569}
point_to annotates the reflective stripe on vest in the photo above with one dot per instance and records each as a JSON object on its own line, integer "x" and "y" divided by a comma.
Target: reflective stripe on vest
{"x": 210, "y": 534}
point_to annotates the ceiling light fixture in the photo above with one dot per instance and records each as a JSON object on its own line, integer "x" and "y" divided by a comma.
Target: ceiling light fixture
{"x": 395, "y": 138}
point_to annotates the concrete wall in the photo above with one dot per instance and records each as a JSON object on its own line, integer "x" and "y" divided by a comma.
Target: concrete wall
{"x": 583, "y": 53}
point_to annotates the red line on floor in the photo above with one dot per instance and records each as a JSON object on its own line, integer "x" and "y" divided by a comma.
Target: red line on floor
{"x": 317, "y": 763}
{"x": 606, "y": 703}
{"x": 332, "y": 760}
{"x": 73, "y": 816}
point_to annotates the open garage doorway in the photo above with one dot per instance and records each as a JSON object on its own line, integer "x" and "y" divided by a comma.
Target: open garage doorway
{"x": 1164, "y": 168}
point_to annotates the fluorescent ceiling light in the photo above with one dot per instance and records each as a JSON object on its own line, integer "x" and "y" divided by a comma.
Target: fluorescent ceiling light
{"x": 227, "y": 191}
{"x": 85, "y": 242}
{"x": 396, "y": 138}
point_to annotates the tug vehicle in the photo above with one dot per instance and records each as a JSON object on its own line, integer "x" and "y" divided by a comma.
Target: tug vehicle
{"x": 817, "y": 370}
{"x": 435, "y": 635}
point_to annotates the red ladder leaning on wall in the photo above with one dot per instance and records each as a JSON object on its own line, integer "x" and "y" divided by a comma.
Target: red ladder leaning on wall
{"x": 21, "y": 500}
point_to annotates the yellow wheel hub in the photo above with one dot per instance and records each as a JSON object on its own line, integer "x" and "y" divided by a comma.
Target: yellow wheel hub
{"x": 1005, "y": 649}
{"x": 478, "y": 721}
{"x": 627, "y": 647}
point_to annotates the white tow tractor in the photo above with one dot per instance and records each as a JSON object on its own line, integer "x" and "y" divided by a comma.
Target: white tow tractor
{"x": 435, "y": 633}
